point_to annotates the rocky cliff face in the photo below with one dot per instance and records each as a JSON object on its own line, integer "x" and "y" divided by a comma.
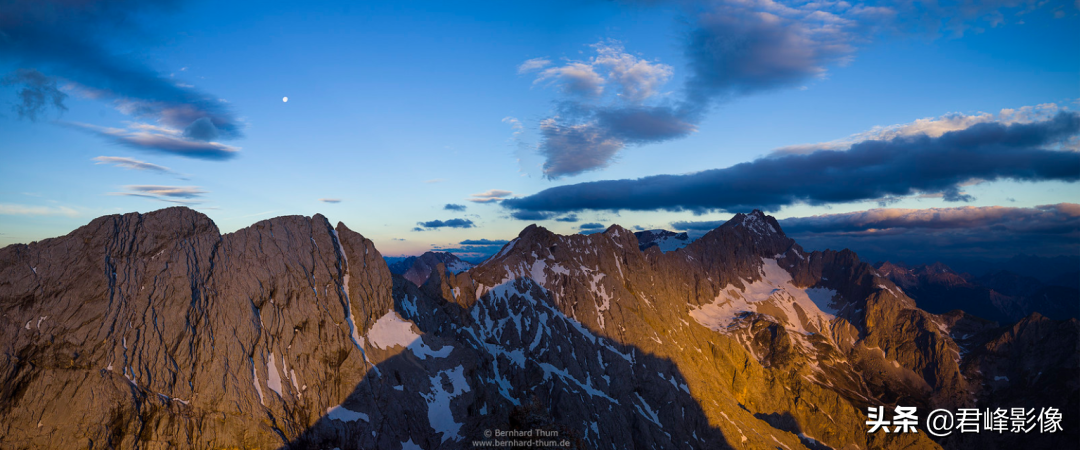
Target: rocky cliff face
{"x": 156, "y": 331}
{"x": 293, "y": 334}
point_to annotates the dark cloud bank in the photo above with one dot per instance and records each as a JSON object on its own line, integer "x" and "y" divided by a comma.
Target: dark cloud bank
{"x": 496, "y": 242}
{"x": 474, "y": 250}
{"x": 869, "y": 170}
{"x": 452, "y": 223}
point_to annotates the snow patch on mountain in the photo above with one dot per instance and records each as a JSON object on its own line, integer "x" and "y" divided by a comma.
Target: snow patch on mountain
{"x": 824, "y": 298}
{"x": 343, "y": 414}
{"x": 273, "y": 380}
{"x": 391, "y": 331}
{"x": 440, "y": 415}
{"x": 458, "y": 266}
{"x": 756, "y": 223}
{"x": 773, "y": 295}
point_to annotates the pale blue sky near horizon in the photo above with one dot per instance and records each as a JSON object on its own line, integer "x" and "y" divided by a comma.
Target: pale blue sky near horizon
{"x": 398, "y": 110}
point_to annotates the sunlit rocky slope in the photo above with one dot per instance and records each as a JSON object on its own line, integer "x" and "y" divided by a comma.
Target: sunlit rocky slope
{"x": 157, "y": 331}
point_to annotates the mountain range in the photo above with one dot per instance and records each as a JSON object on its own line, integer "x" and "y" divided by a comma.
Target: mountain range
{"x": 157, "y": 331}
{"x": 1001, "y": 296}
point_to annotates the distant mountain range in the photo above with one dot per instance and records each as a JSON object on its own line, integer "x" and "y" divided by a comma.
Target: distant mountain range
{"x": 418, "y": 268}
{"x": 1001, "y": 296}
{"x": 157, "y": 331}
{"x": 1055, "y": 269}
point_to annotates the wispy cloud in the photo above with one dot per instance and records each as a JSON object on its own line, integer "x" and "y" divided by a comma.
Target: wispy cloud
{"x": 868, "y": 170}
{"x": 330, "y": 200}
{"x": 184, "y": 195}
{"x": 454, "y": 207}
{"x": 515, "y": 125}
{"x": 493, "y": 195}
{"x": 146, "y": 138}
{"x": 63, "y": 43}
{"x": 26, "y": 210}
{"x": 133, "y": 164}
{"x": 533, "y": 64}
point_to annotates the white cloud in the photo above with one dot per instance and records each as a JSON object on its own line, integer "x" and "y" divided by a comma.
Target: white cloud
{"x": 533, "y": 64}
{"x": 514, "y": 124}
{"x": 131, "y": 163}
{"x": 576, "y": 78}
{"x": 24, "y": 210}
{"x": 493, "y": 195}
{"x": 637, "y": 78}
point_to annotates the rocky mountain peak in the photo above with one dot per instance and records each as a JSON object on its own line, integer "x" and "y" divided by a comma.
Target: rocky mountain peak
{"x": 757, "y": 223}
{"x": 621, "y": 236}
{"x": 534, "y": 231}
{"x": 744, "y": 241}
{"x": 888, "y": 267}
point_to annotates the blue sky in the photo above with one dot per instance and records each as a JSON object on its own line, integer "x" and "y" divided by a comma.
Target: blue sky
{"x": 399, "y": 110}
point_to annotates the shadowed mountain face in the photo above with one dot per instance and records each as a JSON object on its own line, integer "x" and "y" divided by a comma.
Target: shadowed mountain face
{"x": 1002, "y": 296}
{"x": 146, "y": 331}
{"x": 664, "y": 239}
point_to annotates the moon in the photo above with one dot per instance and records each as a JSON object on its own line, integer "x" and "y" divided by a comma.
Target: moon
{"x": 285, "y": 99}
